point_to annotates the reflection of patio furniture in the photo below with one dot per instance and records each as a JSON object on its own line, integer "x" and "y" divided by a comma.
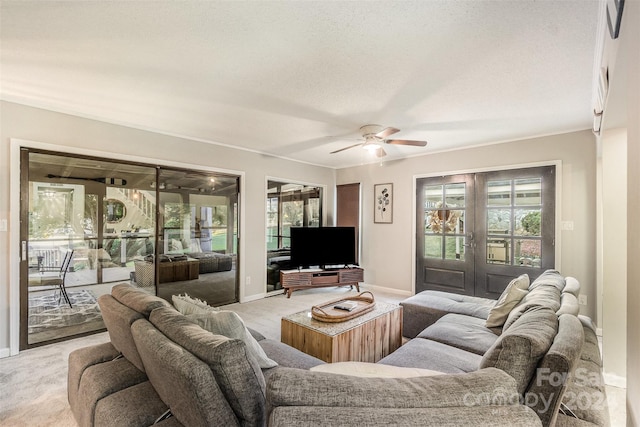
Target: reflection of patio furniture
{"x": 277, "y": 259}
{"x": 54, "y": 277}
{"x": 497, "y": 251}
{"x": 171, "y": 269}
{"x": 212, "y": 262}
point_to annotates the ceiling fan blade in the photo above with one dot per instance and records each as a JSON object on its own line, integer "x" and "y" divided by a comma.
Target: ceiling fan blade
{"x": 406, "y": 142}
{"x": 386, "y": 132}
{"x": 346, "y": 148}
{"x": 380, "y": 152}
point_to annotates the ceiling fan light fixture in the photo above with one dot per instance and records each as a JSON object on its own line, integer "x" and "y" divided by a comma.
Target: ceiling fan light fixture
{"x": 371, "y": 143}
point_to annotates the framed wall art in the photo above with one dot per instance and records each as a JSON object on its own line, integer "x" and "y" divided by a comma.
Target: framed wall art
{"x": 383, "y": 203}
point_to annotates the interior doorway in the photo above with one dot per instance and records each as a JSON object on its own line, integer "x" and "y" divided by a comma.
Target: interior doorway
{"x": 348, "y": 210}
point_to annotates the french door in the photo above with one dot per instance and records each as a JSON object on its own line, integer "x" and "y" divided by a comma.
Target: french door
{"x": 478, "y": 231}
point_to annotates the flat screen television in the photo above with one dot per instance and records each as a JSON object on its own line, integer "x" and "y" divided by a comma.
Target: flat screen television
{"x": 323, "y": 246}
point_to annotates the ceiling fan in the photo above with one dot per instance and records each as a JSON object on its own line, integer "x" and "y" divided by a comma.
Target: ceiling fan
{"x": 375, "y": 137}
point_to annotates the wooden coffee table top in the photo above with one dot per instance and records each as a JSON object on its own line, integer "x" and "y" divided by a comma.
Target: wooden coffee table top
{"x": 303, "y": 318}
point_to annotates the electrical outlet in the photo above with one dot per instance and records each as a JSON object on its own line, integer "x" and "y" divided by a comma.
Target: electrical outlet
{"x": 3, "y": 224}
{"x": 248, "y": 280}
{"x": 582, "y": 299}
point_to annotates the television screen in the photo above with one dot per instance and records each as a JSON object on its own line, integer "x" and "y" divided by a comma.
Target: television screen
{"x": 323, "y": 246}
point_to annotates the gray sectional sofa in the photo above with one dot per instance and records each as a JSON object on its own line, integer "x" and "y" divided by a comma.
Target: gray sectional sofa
{"x": 160, "y": 367}
{"x": 552, "y": 351}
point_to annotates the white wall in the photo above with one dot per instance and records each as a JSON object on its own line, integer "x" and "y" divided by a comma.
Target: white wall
{"x": 387, "y": 255}
{"x": 74, "y": 133}
{"x": 614, "y": 259}
{"x": 630, "y": 34}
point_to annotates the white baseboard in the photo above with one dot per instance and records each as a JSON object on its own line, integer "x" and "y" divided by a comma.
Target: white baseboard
{"x": 388, "y": 290}
{"x": 5, "y": 352}
{"x": 254, "y": 297}
{"x": 615, "y": 380}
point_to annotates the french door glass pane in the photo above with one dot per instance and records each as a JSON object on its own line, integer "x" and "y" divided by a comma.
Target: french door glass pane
{"x": 433, "y": 196}
{"x": 498, "y": 251}
{"x": 454, "y": 248}
{"x": 453, "y": 221}
{"x": 528, "y": 222}
{"x": 499, "y": 193}
{"x": 454, "y": 195}
{"x": 433, "y": 246}
{"x": 498, "y": 221}
{"x": 528, "y": 252}
{"x": 528, "y": 192}
{"x": 519, "y": 216}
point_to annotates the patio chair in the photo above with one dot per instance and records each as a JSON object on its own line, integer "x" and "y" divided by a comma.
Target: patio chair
{"x": 57, "y": 277}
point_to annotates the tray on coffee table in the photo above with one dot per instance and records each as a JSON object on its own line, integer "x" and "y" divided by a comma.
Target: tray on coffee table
{"x": 327, "y": 312}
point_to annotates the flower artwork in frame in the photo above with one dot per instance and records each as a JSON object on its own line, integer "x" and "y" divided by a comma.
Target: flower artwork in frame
{"x": 383, "y": 203}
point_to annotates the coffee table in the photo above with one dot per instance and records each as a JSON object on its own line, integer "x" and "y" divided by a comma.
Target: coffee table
{"x": 366, "y": 338}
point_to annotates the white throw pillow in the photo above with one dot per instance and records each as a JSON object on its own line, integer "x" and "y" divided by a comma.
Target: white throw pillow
{"x": 187, "y": 305}
{"x": 373, "y": 370}
{"x": 511, "y": 296}
{"x": 230, "y": 325}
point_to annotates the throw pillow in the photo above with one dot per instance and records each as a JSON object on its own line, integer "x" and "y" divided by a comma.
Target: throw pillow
{"x": 187, "y": 305}
{"x": 373, "y": 370}
{"x": 230, "y": 325}
{"x": 511, "y": 296}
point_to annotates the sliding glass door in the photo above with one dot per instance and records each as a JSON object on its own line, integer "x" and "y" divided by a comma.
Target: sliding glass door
{"x": 91, "y": 223}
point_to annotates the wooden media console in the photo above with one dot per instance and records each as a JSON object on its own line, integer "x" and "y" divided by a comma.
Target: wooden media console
{"x": 292, "y": 280}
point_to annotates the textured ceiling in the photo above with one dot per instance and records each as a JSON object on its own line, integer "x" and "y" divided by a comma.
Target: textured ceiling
{"x": 298, "y": 78}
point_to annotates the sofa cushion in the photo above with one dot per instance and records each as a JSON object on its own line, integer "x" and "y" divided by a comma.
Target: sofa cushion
{"x": 512, "y": 415}
{"x": 138, "y": 405}
{"x": 118, "y": 319}
{"x": 519, "y": 349}
{"x": 288, "y": 356}
{"x": 99, "y": 381}
{"x": 568, "y": 304}
{"x": 425, "y": 308}
{"x": 432, "y": 355}
{"x": 188, "y": 305}
{"x": 571, "y": 286}
{"x": 294, "y": 387}
{"x": 184, "y": 382}
{"x": 551, "y": 278}
{"x": 511, "y": 296}
{"x": 229, "y": 324}
{"x": 236, "y": 372}
{"x": 463, "y": 332}
{"x": 137, "y": 300}
{"x": 541, "y": 296}
{"x": 373, "y": 370}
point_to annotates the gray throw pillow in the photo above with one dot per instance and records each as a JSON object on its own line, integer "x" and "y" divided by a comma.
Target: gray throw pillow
{"x": 187, "y": 305}
{"x": 511, "y": 296}
{"x": 230, "y": 325}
